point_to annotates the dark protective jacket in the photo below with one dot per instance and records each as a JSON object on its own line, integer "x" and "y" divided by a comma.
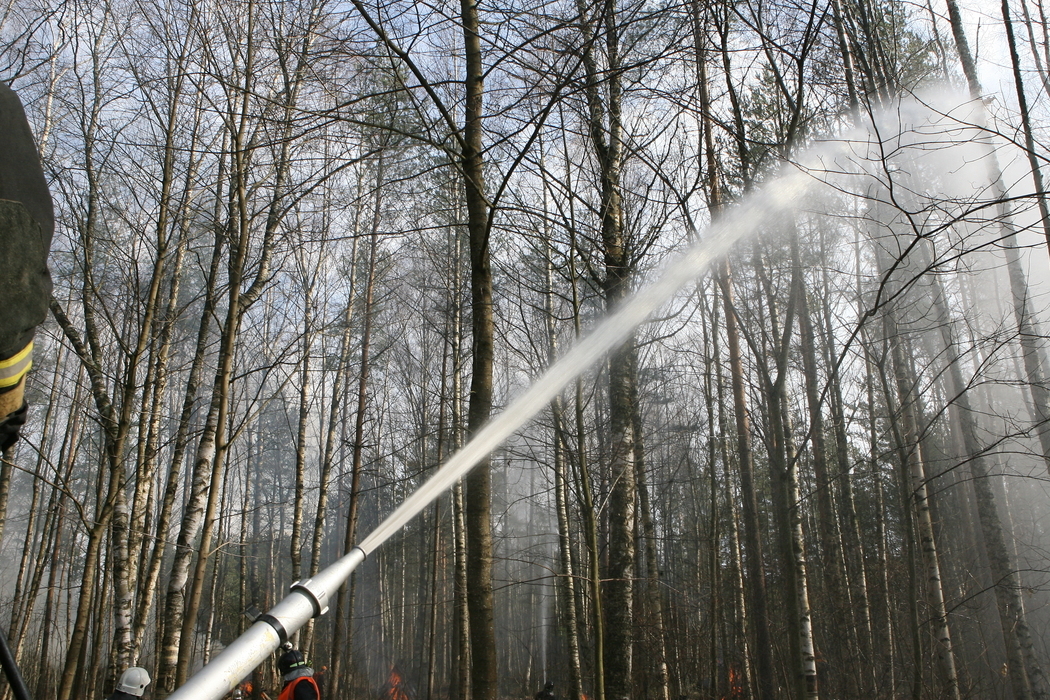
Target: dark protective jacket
{"x": 303, "y": 688}
{"x": 27, "y": 222}
{"x": 121, "y": 695}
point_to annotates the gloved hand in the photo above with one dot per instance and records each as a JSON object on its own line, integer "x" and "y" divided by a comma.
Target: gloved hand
{"x": 10, "y": 426}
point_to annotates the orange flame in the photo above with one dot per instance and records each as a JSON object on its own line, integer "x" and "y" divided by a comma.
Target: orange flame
{"x": 395, "y": 686}
{"x": 736, "y": 685}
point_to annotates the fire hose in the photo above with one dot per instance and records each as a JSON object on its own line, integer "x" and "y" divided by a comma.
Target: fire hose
{"x": 11, "y": 671}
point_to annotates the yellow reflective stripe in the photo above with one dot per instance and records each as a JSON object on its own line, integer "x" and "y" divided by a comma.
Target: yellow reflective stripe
{"x": 14, "y": 368}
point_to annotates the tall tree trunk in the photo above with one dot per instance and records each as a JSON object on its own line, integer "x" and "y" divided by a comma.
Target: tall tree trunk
{"x": 437, "y": 556}
{"x": 148, "y": 567}
{"x": 1026, "y": 128}
{"x": 784, "y": 482}
{"x": 296, "y": 553}
{"x": 143, "y": 571}
{"x": 911, "y": 456}
{"x": 754, "y": 560}
{"x": 180, "y": 444}
{"x": 567, "y": 578}
{"x": 43, "y": 688}
{"x": 603, "y": 92}
{"x": 882, "y": 634}
{"x": 853, "y": 544}
{"x": 461, "y": 611}
{"x": 478, "y": 504}
{"x": 764, "y": 681}
{"x": 653, "y": 589}
{"x": 827, "y": 525}
{"x": 733, "y": 674}
{"x": 209, "y": 463}
{"x": 755, "y": 573}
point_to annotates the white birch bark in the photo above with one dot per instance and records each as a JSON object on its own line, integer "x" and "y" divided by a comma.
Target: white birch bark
{"x": 912, "y": 464}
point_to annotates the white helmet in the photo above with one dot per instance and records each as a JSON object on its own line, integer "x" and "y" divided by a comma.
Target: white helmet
{"x": 133, "y": 681}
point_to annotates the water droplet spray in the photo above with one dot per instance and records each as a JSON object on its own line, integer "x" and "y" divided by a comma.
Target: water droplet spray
{"x": 309, "y": 598}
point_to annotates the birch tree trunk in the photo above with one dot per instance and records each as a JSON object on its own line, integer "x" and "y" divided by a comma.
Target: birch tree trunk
{"x": 437, "y": 555}
{"x": 910, "y": 452}
{"x": 175, "y": 649}
{"x": 567, "y": 579}
{"x": 180, "y": 444}
{"x": 784, "y": 480}
{"x": 300, "y": 433}
{"x": 833, "y": 560}
{"x": 142, "y": 570}
{"x": 461, "y": 613}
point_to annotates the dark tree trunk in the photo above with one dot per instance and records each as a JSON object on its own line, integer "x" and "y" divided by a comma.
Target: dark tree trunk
{"x": 479, "y": 481}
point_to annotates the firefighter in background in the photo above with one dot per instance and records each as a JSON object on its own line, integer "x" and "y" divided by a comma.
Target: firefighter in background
{"x": 27, "y": 222}
{"x": 132, "y": 684}
{"x": 245, "y": 691}
{"x": 320, "y": 677}
{"x": 299, "y": 683}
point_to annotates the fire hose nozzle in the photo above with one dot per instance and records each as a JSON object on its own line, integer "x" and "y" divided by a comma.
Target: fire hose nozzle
{"x": 233, "y": 664}
{"x": 317, "y": 595}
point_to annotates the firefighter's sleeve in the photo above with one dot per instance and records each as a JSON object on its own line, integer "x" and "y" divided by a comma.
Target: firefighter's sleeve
{"x": 27, "y": 223}
{"x": 25, "y": 290}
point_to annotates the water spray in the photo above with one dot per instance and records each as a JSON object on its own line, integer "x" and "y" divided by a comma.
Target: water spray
{"x": 309, "y": 598}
